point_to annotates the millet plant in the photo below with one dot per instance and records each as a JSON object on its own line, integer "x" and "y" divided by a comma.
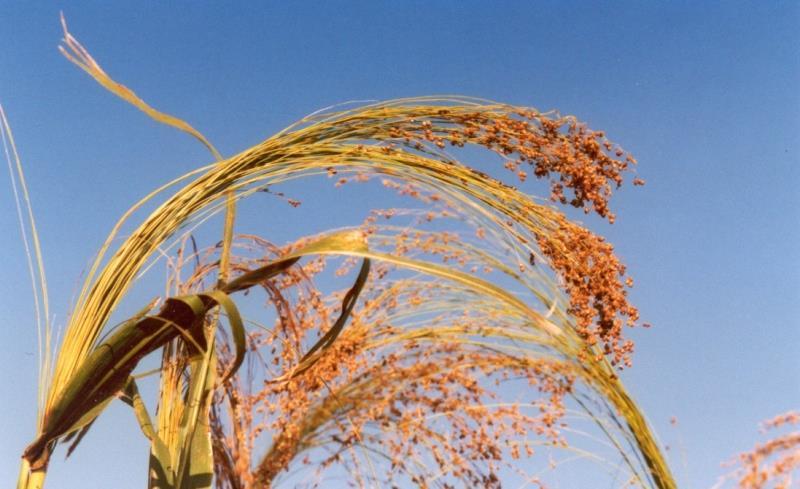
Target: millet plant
{"x": 403, "y": 377}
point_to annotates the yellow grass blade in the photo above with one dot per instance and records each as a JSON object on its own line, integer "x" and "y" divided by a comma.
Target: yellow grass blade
{"x": 76, "y": 53}
{"x": 36, "y": 271}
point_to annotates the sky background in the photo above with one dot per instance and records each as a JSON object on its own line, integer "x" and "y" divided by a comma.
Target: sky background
{"x": 704, "y": 94}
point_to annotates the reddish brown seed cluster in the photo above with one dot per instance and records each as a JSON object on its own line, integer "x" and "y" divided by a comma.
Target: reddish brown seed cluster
{"x": 416, "y": 401}
{"x": 571, "y": 156}
{"x": 772, "y": 464}
{"x": 592, "y": 276}
{"x": 412, "y": 403}
{"x": 430, "y": 402}
{"x": 790, "y": 418}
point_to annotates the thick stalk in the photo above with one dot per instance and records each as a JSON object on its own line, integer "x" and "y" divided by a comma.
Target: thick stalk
{"x": 30, "y": 479}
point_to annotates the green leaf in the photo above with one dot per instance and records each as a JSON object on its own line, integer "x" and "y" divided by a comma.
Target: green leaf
{"x": 195, "y": 468}
{"x": 237, "y": 329}
{"x": 315, "y": 352}
{"x": 158, "y": 449}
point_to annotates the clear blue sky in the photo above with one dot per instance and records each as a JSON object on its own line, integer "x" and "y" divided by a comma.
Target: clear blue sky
{"x": 705, "y": 94}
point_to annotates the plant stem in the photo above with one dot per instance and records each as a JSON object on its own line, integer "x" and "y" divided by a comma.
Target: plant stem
{"x": 28, "y": 479}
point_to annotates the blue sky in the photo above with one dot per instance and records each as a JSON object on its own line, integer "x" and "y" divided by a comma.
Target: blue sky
{"x": 704, "y": 94}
